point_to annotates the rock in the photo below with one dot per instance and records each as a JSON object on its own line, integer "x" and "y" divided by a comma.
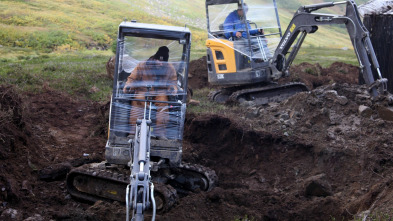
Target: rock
{"x": 284, "y": 116}
{"x": 36, "y": 217}
{"x": 252, "y": 172}
{"x": 317, "y": 186}
{"x": 342, "y": 100}
{"x": 194, "y": 102}
{"x": 247, "y": 104}
{"x": 331, "y": 136}
{"x": 26, "y": 185}
{"x": 253, "y": 114}
{"x": 286, "y": 134}
{"x": 11, "y": 214}
{"x": 365, "y": 111}
{"x": 67, "y": 197}
{"x": 386, "y": 113}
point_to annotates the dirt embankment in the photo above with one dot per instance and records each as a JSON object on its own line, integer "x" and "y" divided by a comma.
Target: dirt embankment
{"x": 38, "y": 131}
{"x": 312, "y": 75}
{"x": 313, "y": 157}
{"x": 319, "y": 155}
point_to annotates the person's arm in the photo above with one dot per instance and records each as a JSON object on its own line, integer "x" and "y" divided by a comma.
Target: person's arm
{"x": 132, "y": 78}
{"x": 228, "y": 25}
{"x": 172, "y": 79}
{"x": 252, "y": 31}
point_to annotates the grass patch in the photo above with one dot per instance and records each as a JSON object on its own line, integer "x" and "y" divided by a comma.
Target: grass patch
{"x": 206, "y": 106}
{"x": 74, "y": 73}
{"x": 325, "y": 56}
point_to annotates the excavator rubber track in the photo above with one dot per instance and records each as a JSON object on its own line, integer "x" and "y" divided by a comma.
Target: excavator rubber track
{"x": 192, "y": 177}
{"x": 93, "y": 182}
{"x": 258, "y": 95}
{"x": 267, "y": 94}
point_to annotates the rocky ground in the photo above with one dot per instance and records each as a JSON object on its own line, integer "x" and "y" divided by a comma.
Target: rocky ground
{"x": 321, "y": 155}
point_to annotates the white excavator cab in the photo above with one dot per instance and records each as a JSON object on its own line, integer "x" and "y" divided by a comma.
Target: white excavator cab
{"x": 151, "y": 68}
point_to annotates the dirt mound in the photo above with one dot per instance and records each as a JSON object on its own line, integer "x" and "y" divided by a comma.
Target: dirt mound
{"x": 37, "y": 131}
{"x": 313, "y": 75}
{"x": 197, "y": 77}
{"x": 316, "y": 156}
{"x": 12, "y": 123}
{"x": 321, "y": 155}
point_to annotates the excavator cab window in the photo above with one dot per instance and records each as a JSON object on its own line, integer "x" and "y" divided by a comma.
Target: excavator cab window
{"x": 151, "y": 69}
{"x": 248, "y": 30}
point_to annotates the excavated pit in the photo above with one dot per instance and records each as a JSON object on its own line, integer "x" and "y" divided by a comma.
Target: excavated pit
{"x": 321, "y": 155}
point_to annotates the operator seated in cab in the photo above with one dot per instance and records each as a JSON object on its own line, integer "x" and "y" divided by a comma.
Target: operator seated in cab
{"x": 235, "y": 24}
{"x": 153, "y": 79}
{"x": 235, "y": 29}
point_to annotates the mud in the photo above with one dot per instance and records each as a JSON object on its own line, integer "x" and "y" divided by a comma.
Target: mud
{"x": 316, "y": 156}
{"x": 313, "y": 75}
{"x": 197, "y": 77}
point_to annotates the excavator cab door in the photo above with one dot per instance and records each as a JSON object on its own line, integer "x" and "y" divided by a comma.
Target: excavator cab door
{"x": 158, "y": 81}
{"x": 242, "y": 37}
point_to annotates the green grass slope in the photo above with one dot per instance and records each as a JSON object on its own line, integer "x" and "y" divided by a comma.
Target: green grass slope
{"x": 61, "y": 25}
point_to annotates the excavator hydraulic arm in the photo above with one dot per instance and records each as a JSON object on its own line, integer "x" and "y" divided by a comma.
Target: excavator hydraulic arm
{"x": 304, "y": 22}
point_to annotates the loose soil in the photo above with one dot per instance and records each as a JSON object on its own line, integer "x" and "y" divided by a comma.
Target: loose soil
{"x": 312, "y": 157}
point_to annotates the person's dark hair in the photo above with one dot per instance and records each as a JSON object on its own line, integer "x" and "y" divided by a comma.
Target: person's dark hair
{"x": 162, "y": 54}
{"x": 239, "y": 7}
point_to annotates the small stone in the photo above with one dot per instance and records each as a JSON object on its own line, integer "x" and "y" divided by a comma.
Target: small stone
{"x": 247, "y": 104}
{"x": 36, "y": 217}
{"x": 67, "y": 197}
{"x": 331, "y": 136}
{"x": 11, "y": 214}
{"x": 252, "y": 172}
{"x": 342, "y": 100}
{"x": 284, "y": 116}
{"x": 286, "y": 134}
{"x": 25, "y": 185}
{"x": 365, "y": 111}
{"x": 3, "y": 189}
{"x": 253, "y": 114}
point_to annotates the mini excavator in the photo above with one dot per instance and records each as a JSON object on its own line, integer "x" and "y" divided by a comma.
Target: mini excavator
{"x": 141, "y": 170}
{"x": 248, "y": 70}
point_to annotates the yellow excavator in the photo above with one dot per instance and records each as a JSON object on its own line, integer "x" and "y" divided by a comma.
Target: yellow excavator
{"x": 247, "y": 52}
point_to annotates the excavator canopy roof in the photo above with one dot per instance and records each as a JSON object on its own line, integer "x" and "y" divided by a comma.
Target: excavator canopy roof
{"x": 221, "y": 2}
{"x": 153, "y": 31}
